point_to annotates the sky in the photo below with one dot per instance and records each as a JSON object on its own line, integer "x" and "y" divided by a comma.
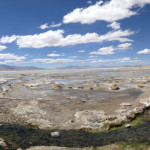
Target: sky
{"x": 60, "y": 33}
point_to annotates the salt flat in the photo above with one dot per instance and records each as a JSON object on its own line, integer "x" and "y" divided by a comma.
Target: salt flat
{"x": 79, "y": 99}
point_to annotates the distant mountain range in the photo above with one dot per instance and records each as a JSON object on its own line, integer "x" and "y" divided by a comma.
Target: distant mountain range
{"x": 7, "y": 67}
{"x": 83, "y": 67}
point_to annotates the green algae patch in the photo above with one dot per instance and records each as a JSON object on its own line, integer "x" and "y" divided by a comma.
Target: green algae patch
{"x": 129, "y": 146}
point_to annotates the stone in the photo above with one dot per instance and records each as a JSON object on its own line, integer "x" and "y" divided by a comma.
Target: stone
{"x": 140, "y": 86}
{"x": 83, "y": 101}
{"x": 126, "y": 104}
{"x": 146, "y": 103}
{"x": 114, "y": 87}
{"x": 86, "y": 127}
{"x": 22, "y": 74}
{"x": 5, "y": 88}
{"x": 97, "y": 84}
{"x": 81, "y": 87}
{"x": 58, "y": 85}
{"x": 90, "y": 117}
{"x": 55, "y": 134}
{"x": 111, "y": 117}
{"x": 2, "y": 143}
{"x": 72, "y": 97}
{"x": 39, "y": 99}
{"x": 128, "y": 125}
{"x": 104, "y": 79}
{"x": 69, "y": 87}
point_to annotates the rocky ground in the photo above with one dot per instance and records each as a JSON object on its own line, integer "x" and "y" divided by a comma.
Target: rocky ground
{"x": 93, "y": 100}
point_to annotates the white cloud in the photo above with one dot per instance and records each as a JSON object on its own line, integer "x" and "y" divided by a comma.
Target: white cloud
{"x": 104, "y": 51}
{"x": 114, "y": 25}
{"x": 145, "y": 51}
{"x": 10, "y": 61}
{"x": 111, "y": 11}
{"x": 46, "y": 39}
{"x": 81, "y": 51}
{"x": 55, "y": 38}
{"x": 55, "y": 55}
{"x": 53, "y": 25}
{"x": 50, "y": 61}
{"x": 11, "y": 58}
{"x": 92, "y": 56}
{"x": 2, "y": 47}
{"x": 124, "y": 46}
{"x": 120, "y": 60}
{"x": 110, "y": 49}
{"x": 73, "y": 57}
{"x": 8, "y": 39}
{"x": 44, "y": 26}
{"x": 89, "y": 2}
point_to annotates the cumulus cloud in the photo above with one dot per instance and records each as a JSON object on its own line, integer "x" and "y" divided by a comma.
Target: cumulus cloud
{"x": 104, "y": 51}
{"x": 2, "y": 47}
{"x": 114, "y": 25}
{"x": 51, "y": 61}
{"x": 111, "y": 11}
{"x": 44, "y": 26}
{"x": 111, "y": 49}
{"x": 55, "y": 55}
{"x": 8, "y": 39}
{"x": 120, "y": 60}
{"x": 55, "y": 38}
{"x": 145, "y": 51}
{"x": 124, "y": 46}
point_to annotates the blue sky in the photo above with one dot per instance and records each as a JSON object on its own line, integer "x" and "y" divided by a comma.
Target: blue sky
{"x": 59, "y": 33}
